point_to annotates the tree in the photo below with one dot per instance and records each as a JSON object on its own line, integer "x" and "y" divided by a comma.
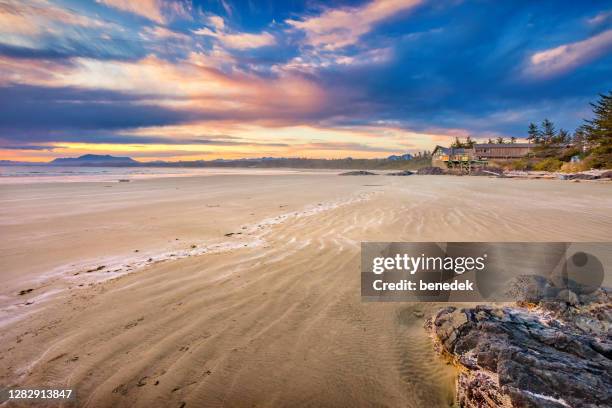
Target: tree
{"x": 512, "y": 140}
{"x": 563, "y": 137}
{"x": 580, "y": 139}
{"x": 599, "y": 129}
{"x": 469, "y": 142}
{"x": 500, "y": 140}
{"x": 457, "y": 143}
{"x": 598, "y": 132}
{"x": 490, "y": 141}
{"x": 533, "y": 133}
{"x": 548, "y": 131}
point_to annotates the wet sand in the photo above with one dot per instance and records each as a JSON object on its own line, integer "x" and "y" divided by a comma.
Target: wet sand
{"x": 269, "y": 315}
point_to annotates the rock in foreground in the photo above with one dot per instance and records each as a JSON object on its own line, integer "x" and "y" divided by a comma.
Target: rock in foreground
{"x": 530, "y": 357}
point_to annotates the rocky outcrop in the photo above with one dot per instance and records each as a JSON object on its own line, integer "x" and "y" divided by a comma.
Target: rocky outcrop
{"x": 607, "y": 175}
{"x": 430, "y": 171}
{"x": 358, "y": 173}
{"x": 554, "y": 354}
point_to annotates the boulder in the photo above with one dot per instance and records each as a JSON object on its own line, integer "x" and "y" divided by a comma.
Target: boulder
{"x": 537, "y": 356}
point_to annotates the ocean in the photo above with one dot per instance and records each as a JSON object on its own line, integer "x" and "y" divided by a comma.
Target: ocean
{"x": 55, "y": 174}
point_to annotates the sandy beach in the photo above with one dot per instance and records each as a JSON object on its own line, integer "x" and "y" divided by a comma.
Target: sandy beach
{"x": 244, "y": 289}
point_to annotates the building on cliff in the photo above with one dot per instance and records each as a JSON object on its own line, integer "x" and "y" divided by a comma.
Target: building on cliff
{"x": 478, "y": 155}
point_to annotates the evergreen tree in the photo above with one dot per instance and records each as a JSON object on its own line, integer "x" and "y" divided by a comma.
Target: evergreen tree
{"x": 469, "y": 143}
{"x": 457, "y": 143}
{"x": 563, "y": 137}
{"x": 548, "y": 131}
{"x": 533, "y": 133}
{"x": 598, "y": 132}
{"x": 580, "y": 139}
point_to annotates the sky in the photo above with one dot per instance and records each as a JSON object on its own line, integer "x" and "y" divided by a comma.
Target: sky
{"x": 203, "y": 80}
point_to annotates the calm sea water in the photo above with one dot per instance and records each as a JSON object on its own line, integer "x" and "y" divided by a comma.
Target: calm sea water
{"x": 54, "y": 174}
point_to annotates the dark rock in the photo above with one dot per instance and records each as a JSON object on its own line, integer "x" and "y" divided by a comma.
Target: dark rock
{"x": 542, "y": 356}
{"x": 25, "y": 291}
{"x": 429, "y": 171}
{"x": 401, "y": 173}
{"x": 358, "y": 173}
{"x": 606, "y": 174}
{"x": 581, "y": 176}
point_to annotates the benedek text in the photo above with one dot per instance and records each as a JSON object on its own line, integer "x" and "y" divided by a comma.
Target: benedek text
{"x": 405, "y": 284}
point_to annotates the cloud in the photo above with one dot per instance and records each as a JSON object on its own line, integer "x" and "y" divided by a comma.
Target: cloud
{"x": 155, "y": 10}
{"x": 39, "y": 29}
{"x": 338, "y": 28}
{"x": 28, "y": 147}
{"x": 234, "y": 40}
{"x": 59, "y": 111}
{"x": 31, "y": 17}
{"x": 601, "y": 18}
{"x": 174, "y": 90}
{"x": 345, "y": 146}
{"x": 311, "y": 62}
{"x": 217, "y": 22}
{"x": 162, "y": 33}
{"x": 565, "y": 57}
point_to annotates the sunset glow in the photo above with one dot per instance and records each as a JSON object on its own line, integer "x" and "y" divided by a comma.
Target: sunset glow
{"x": 183, "y": 80}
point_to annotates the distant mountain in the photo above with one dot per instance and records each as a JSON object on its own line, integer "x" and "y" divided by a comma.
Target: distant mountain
{"x": 94, "y": 160}
{"x": 406, "y": 156}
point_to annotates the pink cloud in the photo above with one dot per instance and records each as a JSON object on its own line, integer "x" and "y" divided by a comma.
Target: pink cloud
{"x": 565, "y": 57}
{"x": 338, "y": 28}
{"x": 154, "y": 10}
{"x": 35, "y": 17}
{"x": 235, "y": 40}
